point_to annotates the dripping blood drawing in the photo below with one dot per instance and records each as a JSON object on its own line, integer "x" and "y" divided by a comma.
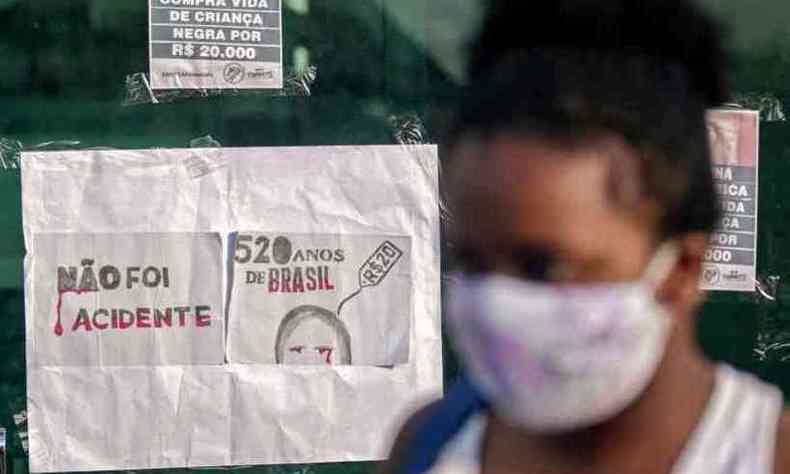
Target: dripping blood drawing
{"x": 61, "y": 292}
{"x": 310, "y": 334}
{"x": 136, "y": 299}
{"x": 87, "y": 318}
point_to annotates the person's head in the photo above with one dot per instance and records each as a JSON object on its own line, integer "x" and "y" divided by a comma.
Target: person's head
{"x": 581, "y": 143}
{"x": 311, "y": 335}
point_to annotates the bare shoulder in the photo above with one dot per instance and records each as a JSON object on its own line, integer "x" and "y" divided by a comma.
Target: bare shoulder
{"x": 782, "y": 464}
{"x": 404, "y": 437}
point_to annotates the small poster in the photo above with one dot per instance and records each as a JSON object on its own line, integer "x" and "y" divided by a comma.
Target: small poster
{"x": 302, "y": 299}
{"x": 216, "y": 44}
{"x": 731, "y": 258}
{"x": 127, "y": 299}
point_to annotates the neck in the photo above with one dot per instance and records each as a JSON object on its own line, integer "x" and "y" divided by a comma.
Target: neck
{"x": 654, "y": 429}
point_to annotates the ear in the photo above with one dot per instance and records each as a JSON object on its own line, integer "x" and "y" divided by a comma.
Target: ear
{"x": 680, "y": 291}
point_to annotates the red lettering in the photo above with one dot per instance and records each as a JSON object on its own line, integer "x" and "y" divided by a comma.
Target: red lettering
{"x": 163, "y": 318}
{"x": 310, "y": 275}
{"x": 274, "y": 280}
{"x": 182, "y": 315}
{"x": 96, "y": 324}
{"x": 298, "y": 281}
{"x": 143, "y": 317}
{"x": 285, "y": 273}
{"x": 59, "y": 305}
{"x": 124, "y": 323}
{"x": 327, "y": 284}
{"x": 202, "y": 320}
{"x": 82, "y": 320}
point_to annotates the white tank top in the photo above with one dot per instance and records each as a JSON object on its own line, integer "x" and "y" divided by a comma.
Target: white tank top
{"x": 736, "y": 435}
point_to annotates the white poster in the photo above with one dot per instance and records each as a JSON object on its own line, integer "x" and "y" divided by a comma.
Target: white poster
{"x": 190, "y": 308}
{"x": 216, "y": 44}
{"x": 127, "y": 299}
{"x": 731, "y": 258}
{"x": 320, "y": 299}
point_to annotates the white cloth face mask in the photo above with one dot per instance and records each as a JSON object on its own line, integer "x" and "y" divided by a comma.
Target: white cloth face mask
{"x": 554, "y": 359}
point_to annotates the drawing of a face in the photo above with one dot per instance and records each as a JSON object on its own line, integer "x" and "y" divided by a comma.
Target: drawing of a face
{"x": 310, "y": 335}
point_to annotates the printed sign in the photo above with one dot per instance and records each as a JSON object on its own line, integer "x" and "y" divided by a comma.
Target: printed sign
{"x": 301, "y": 299}
{"x": 216, "y": 44}
{"x": 128, "y": 299}
{"x": 731, "y": 258}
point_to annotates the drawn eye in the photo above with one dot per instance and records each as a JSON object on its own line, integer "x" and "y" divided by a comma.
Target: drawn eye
{"x": 325, "y": 352}
{"x": 297, "y": 349}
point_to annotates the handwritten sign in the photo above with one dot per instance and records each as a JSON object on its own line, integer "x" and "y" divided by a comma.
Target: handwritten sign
{"x": 110, "y": 299}
{"x": 297, "y": 299}
{"x": 203, "y": 327}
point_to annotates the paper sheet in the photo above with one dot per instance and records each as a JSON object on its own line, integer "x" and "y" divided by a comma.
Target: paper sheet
{"x": 731, "y": 258}
{"x": 128, "y": 299}
{"x": 228, "y": 306}
{"x": 314, "y": 299}
{"x": 216, "y": 44}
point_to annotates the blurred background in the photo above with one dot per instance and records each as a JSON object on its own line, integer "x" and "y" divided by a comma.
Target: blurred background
{"x": 360, "y": 72}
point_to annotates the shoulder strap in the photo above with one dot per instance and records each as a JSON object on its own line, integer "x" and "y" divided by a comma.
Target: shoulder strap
{"x": 423, "y": 449}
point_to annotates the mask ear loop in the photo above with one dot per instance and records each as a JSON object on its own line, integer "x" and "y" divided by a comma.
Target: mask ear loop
{"x": 662, "y": 263}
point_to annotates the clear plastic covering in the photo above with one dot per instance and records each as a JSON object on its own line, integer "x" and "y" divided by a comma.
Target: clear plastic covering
{"x": 770, "y": 107}
{"x": 10, "y": 151}
{"x": 408, "y": 129}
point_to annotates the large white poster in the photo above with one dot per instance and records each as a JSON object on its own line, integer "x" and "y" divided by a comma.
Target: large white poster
{"x": 212, "y": 307}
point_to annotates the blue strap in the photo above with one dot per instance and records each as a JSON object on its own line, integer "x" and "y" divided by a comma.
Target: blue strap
{"x": 459, "y": 404}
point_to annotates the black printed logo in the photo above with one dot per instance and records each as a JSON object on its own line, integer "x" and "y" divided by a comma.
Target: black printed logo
{"x": 711, "y": 275}
{"x": 234, "y": 73}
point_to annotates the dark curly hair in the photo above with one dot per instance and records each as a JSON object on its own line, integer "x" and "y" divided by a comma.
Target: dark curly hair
{"x": 644, "y": 70}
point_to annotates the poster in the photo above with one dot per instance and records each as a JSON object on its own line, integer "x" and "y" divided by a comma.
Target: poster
{"x": 128, "y": 299}
{"x": 216, "y": 44}
{"x": 194, "y": 317}
{"x": 320, "y": 299}
{"x": 731, "y": 258}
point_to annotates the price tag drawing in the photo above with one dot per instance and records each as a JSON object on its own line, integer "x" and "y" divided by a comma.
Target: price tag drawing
{"x": 375, "y": 269}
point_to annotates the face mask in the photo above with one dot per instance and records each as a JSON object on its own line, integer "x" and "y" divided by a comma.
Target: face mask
{"x": 554, "y": 359}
